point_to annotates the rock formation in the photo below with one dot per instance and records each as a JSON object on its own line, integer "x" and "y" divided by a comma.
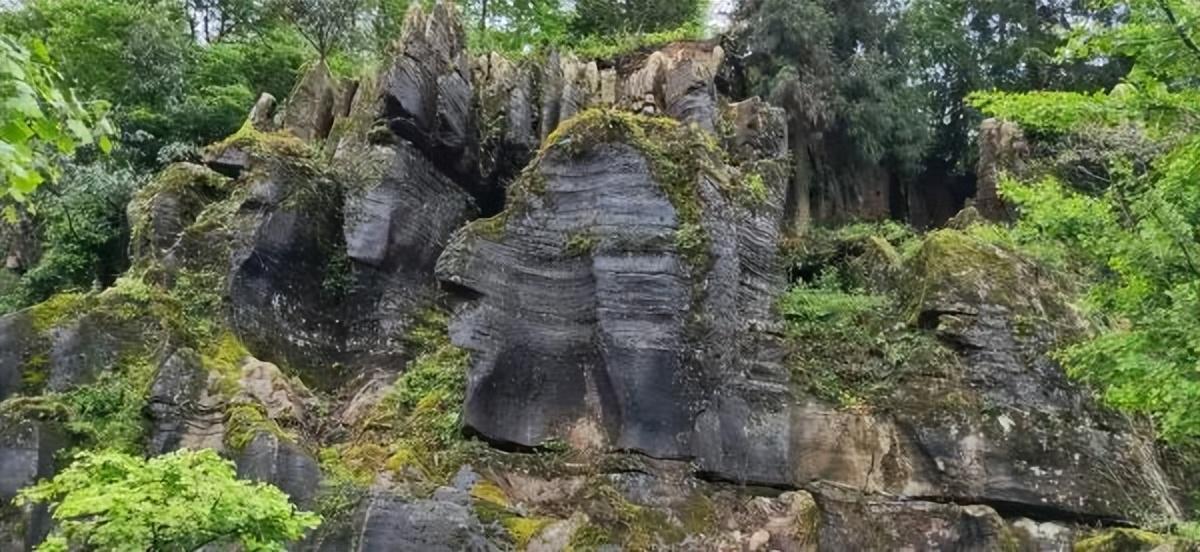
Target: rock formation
{"x": 476, "y": 304}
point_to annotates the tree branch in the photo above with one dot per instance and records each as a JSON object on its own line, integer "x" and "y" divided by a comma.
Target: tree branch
{"x": 1179, "y": 30}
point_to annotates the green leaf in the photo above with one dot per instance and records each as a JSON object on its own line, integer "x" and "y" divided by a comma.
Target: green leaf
{"x": 82, "y": 133}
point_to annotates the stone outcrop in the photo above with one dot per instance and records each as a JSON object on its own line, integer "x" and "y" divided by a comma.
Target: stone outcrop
{"x": 600, "y": 268}
{"x": 1002, "y": 148}
{"x": 313, "y": 105}
{"x": 16, "y": 339}
{"x": 176, "y": 405}
{"x": 271, "y": 459}
{"x": 608, "y": 235}
{"x": 27, "y": 455}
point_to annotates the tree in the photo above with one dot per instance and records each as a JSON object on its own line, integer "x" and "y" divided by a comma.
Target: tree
{"x": 40, "y": 119}
{"x": 1136, "y": 237}
{"x": 602, "y": 17}
{"x": 325, "y": 24}
{"x": 514, "y": 25}
{"x": 838, "y": 68}
{"x": 218, "y": 20}
{"x": 961, "y": 46}
{"x": 165, "y": 86}
{"x": 184, "y": 500}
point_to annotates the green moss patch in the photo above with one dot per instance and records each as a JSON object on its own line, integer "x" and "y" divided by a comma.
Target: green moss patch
{"x": 57, "y": 310}
{"x": 1120, "y": 540}
{"x": 244, "y": 421}
{"x": 416, "y": 430}
{"x": 264, "y": 144}
{"x": 849, "y": 336}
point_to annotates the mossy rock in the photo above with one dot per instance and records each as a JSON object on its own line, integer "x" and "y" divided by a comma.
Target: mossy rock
{"x": 263, "y": 144}
{"x": 1121, "y": 540}
{"x": 953, "y": 270}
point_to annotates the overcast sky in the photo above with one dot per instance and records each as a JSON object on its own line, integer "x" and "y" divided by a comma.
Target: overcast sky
{"x": 718, "y": 13}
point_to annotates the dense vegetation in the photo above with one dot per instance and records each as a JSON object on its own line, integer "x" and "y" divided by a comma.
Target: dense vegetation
{"x": 99, "y": 94}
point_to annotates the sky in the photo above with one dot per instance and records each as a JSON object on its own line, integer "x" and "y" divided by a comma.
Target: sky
{"x": 718, "y": 13}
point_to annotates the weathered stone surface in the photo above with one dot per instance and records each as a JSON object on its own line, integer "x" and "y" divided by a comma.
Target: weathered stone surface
{"x": 677, "y": 81}
{"x": 16, "y": 338}
{"x": 312, "y": 105}
{"x": 27, "y": 451}
{"x": 426, "y": 95}
{"x": 162, "y": 210}
{"x": 19, "y": 244}
{"x": 390, "y": 523}
{"x": 585, "y": 297}
{"x": 84, "y": 348}
{"x": 1043, "y": 537}
{"x": 284, "y": 400}
{"x": 175, "y": 396}
{"x": 759, "y": 130}
{"x": 1002, "y": 148}
{"x": 27, "y": 455}
{"x": 273, "y": 460}
{"x": 873, "y": 524}
{"x": 262, "y": 115}
{"x": 399, "y": 216}
{"x": 508, "y": 118}
{"x": 281, "y": 302}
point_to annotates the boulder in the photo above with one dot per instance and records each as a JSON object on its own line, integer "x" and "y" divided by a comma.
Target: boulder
{"x": 275, "y": 460}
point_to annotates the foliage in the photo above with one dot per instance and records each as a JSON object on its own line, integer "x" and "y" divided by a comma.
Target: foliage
{"x": 81, "y": 219}
{"x": 325, "y": 24}
{"x": 108, "y": 413}
{"x": 961, "y": 46}
{"x": 180, "y": 501}
{"x": 600, "y": 29}
{"x": 145, "y": 58}
{"x": 40, "y": 119}
{"x": 608, "y": 17}
{"x": 838, "y": 67}
{"x": 1137, "y": 235}
{"x": 430, "y": 394}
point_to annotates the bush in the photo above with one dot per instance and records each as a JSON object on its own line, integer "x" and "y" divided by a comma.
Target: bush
{"x": 185, "y": 500}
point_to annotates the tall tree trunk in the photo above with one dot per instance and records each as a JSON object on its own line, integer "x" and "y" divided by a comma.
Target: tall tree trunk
{"x": 798, "y": 207}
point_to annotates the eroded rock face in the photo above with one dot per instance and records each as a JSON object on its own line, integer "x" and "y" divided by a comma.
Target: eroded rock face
{"x": 270, "y": 459}
{"x": 892, "y": 525}
{"x": 27, "y": 450}
{"x": 312, "y": 106}
{"x": 590, "y": 324}
{"x": 399, "y": 215}
{"x": 16, "y": 339}
{"x": 588, "y": 296}
{"x": 426, "y": 95}
{"x": 175, "y": 397}
{"x": 442, "y": 524}
{"x": 997, "y": 423}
